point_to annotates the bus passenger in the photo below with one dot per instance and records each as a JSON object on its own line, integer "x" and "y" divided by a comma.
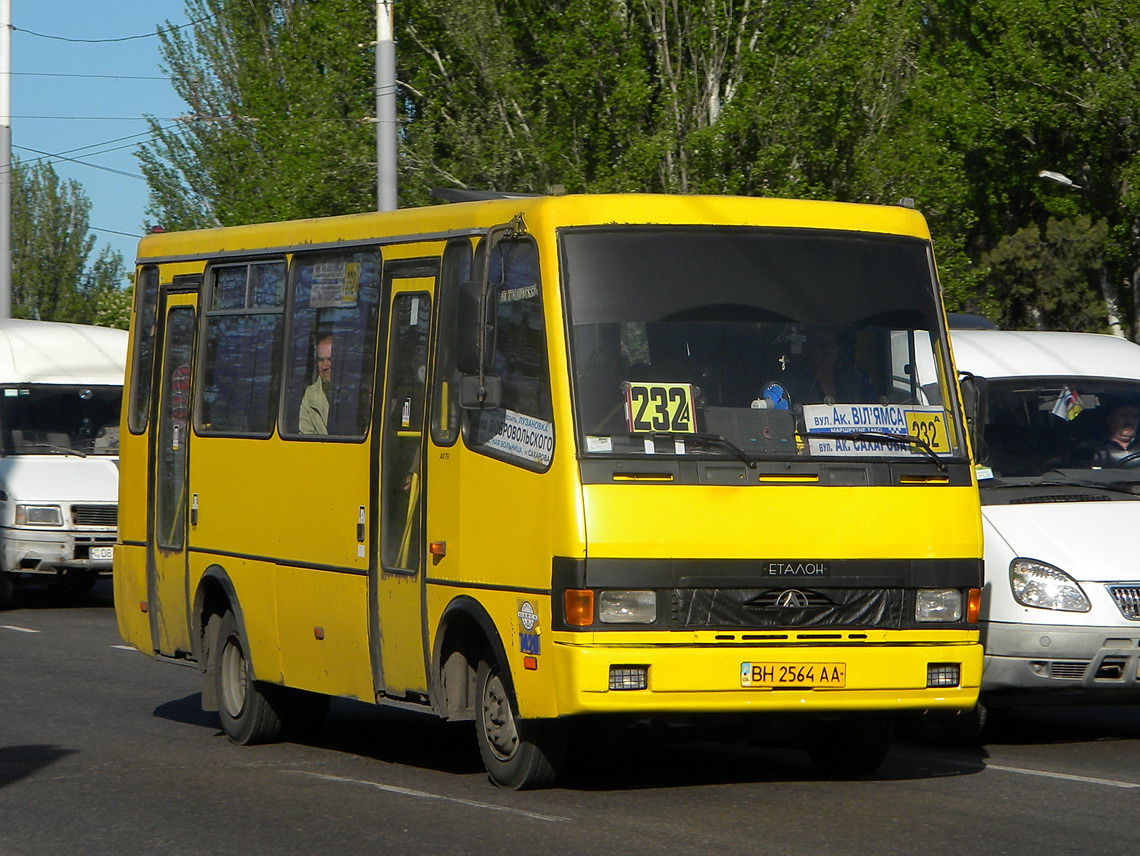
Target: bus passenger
{"x": 314, "y": 413}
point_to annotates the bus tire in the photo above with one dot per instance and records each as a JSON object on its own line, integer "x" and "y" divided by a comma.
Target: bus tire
{"x": 250, "y": 710}
{"x": 852, "y": 744}
{"x": 954, "y": 728}
{"x": 518, "y": 754}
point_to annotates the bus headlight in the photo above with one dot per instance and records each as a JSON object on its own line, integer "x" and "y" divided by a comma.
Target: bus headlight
{"x": 627, "y": 607}
{"x": 1045, "y": 587}
{"x": 38, "y": 515}
{"x": 938, "y": 605}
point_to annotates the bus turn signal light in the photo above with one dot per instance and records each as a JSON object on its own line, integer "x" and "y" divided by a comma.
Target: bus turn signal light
{"x": 973, "y": 605}
{"x": 579, "y": 607}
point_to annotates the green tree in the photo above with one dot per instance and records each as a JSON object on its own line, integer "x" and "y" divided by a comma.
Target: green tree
{"x": 279, "y": 92}
{"x": 51, "y": 246}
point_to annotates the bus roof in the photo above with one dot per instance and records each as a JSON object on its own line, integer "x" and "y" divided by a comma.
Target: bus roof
{"x": 437, "y": 221}
{"x": 54, "y": 352}
{"x": 1009, "y": 354}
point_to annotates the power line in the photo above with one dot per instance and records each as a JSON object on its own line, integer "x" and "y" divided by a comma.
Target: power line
{"x": 107, "y": 41}
{"x": 86, "y": 76}
{"x": 83, "y": 163}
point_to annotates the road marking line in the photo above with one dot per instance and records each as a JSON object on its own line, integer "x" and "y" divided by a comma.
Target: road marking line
{"x": 1112, "y": 783}
{"x": 17, "y": 629}
{"x": 408, "y": 792}
{"x": 124, "y": 647}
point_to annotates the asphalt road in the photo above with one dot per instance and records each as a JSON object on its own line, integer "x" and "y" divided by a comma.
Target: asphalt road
{"x": 103, "y": 751}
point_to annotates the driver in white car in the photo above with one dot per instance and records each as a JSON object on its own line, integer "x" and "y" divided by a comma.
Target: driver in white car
{"x": 1121, "y": 447}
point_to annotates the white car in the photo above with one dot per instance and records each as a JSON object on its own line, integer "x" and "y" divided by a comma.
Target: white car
{"x": 1061, "y": 605}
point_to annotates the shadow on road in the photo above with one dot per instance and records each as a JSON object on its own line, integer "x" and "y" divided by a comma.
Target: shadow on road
{"x": 188, "y": 711}
{"x": 19, "y": 762}
{"x": 1025, "y": 726}
{"x": 55, "y": 595}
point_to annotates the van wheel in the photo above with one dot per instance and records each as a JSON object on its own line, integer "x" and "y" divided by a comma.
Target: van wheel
{"x": 518, "y": 754}
{"x": 851, "y": 744}
{"x": 250, "y": 710}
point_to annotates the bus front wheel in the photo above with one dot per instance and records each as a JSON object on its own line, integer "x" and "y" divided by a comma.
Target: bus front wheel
{"x": 518, "y": 754}
{"x": 246, "y": 707}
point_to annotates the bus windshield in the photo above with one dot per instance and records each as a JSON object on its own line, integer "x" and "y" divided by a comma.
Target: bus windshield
{"x": 784, "y": 342}
{"x": 59, "y": 419}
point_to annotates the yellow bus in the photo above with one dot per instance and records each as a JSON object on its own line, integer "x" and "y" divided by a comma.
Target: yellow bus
{"x": 532, "y": 462}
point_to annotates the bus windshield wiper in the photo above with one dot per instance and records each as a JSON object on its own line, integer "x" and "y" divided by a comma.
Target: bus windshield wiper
{"x": 884, "y": 437}
{"x": 706, "y": 439}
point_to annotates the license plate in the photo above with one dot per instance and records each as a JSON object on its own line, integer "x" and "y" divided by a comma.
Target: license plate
{"x": 809, "y": 675}
{"x": 101, "y": 553}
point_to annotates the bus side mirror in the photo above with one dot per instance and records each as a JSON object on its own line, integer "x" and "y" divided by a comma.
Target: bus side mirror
{"x": 474, "y": 328}
{"x": 476, "y": 395}
{"x": 973, "y": 394}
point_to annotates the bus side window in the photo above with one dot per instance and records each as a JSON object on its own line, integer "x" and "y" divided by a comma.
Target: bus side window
{"x": 142, "y": 369}
{"x": 332, "y": 345}
{"x": 445, "y": 406}
{"x": 521, "y": 429}
{"x": 242, "y": 343}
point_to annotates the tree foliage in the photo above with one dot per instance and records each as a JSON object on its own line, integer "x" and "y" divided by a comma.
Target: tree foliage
{"x": 53, "y": 277}
{"x": 278, "y": 93}
{"x": 958, "y": 104}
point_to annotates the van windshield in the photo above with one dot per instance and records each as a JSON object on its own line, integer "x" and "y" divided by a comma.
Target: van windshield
{"x": 773, "y": 339}
{"x": 59, "y": 419}
{"x": 1034, "y": 426}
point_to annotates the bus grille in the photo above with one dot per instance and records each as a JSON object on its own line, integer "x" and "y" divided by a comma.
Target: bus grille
{"x": 1128, "y": 599}
{"x": 770, "y": 608}
{"x": 95, "y": 515}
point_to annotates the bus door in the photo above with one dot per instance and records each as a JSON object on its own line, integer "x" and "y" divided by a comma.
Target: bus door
{"x": 398, "y": 585}
{"x": 167, "y": 506}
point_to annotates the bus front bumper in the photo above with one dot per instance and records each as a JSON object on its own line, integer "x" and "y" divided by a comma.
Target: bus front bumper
{"x": 679, "y": 679}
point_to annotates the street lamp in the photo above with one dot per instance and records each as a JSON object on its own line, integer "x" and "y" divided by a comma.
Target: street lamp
{"x": 1059, "y": 178}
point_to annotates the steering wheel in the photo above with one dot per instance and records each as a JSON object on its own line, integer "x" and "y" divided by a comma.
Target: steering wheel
{"x": 1129, "y": 462}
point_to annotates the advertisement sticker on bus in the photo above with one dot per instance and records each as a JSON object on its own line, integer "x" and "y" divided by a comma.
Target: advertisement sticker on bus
{"x": 529, "y": 630}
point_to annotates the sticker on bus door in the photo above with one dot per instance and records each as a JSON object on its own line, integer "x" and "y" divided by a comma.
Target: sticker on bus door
{"x": 665, "y": 407}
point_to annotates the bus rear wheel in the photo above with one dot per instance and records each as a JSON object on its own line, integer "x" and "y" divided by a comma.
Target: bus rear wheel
{"x": 518, "y": 754}
{"x": 249, "y": 710}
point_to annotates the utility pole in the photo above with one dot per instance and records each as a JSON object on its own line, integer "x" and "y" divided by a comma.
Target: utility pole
{"x": 385, "y": 106}
{"x": 5, "y": 158}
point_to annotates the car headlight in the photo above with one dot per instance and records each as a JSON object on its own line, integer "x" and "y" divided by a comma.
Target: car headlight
{"x": 627, "y": 607}
{"x": 1045, "y": 587}
{"x": 938, "y": 605}
{"x": 38, "y": 515}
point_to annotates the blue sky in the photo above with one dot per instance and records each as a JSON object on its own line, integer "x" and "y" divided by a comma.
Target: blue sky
{"x": 82, "y": 99}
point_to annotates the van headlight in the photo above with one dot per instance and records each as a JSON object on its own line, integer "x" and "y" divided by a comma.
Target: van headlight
{"x": 627, "y": 607}
{"x": 938, "y": 605}
{"x": 38, "y": 515}
{"x": 1042, "y": 586}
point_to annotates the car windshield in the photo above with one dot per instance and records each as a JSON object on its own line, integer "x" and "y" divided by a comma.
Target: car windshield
{"x": 54, "y": 419}
{"x": 771, "y": 339}
{"x": 1034, "y": 426}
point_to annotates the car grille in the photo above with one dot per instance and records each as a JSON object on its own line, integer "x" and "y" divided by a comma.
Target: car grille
{"x": 1128, "y": 599}
{"x": 1072, "y": 671}
{"x": 95, "y": 515}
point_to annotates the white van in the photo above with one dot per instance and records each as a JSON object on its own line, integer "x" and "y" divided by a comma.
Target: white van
{"x": 1061, "y": 605}
{"x": 61, "y": 388}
